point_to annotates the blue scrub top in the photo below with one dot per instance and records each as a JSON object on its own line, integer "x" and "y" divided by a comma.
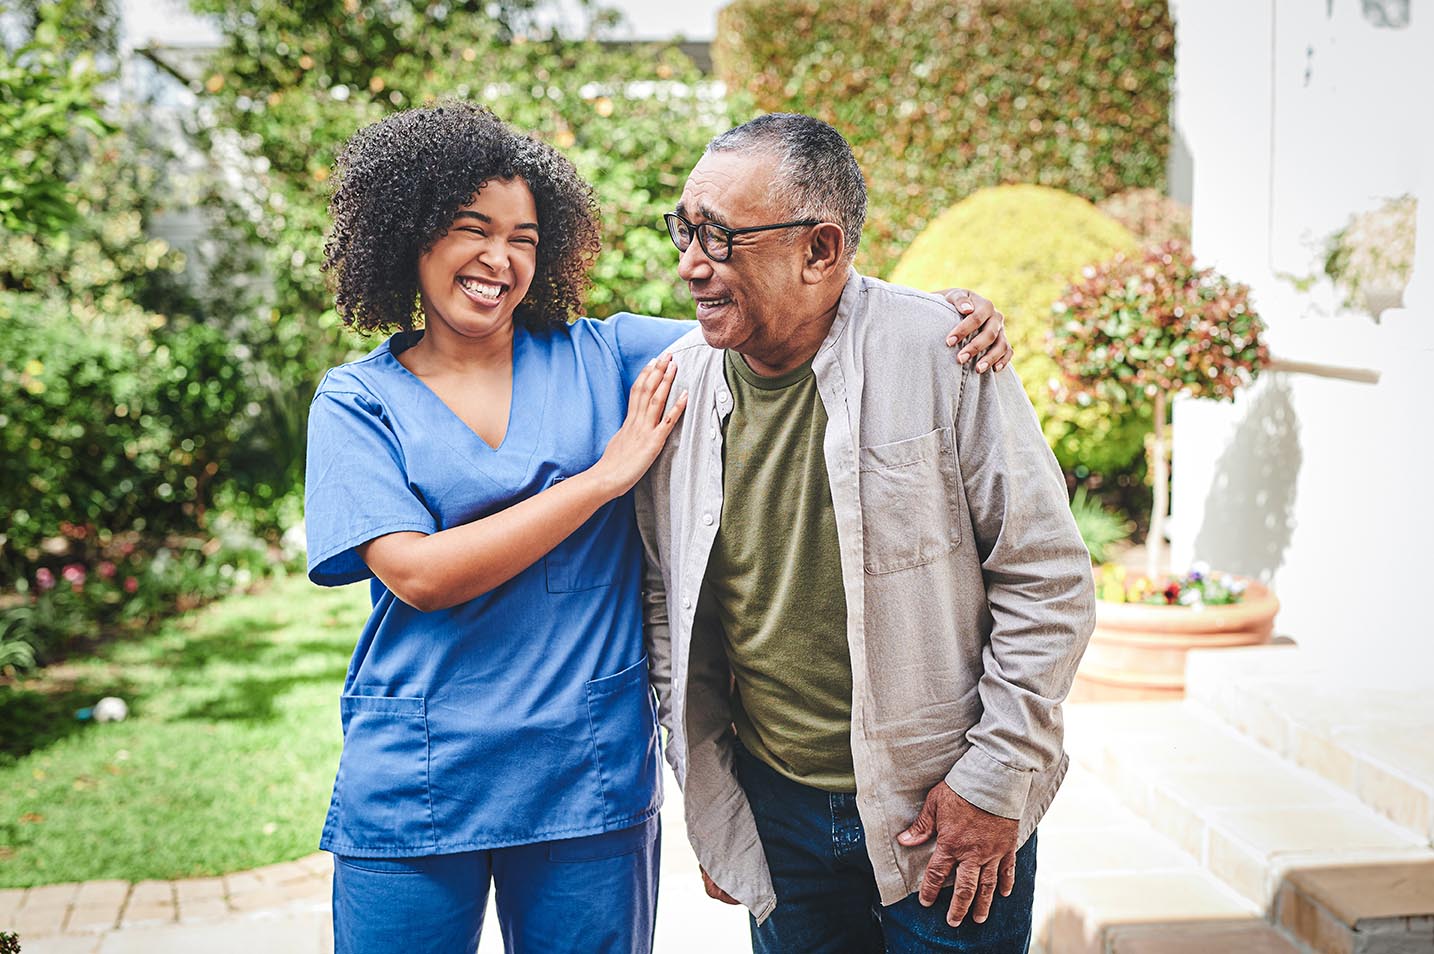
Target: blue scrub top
{"x": 524, "y": 714}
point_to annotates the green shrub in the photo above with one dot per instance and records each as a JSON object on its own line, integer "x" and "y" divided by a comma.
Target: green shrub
{"x": 1101, "y": 529}
{"x": 940, "y": 98}
{"x": 75, "y": 605}
{"x": 46, "y": 105}
{"x": 1020, "y": 246}
{"x": 115, "y": 423}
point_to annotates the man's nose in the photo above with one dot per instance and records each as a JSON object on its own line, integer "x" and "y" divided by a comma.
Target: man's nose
{"x": 694, "y": 263}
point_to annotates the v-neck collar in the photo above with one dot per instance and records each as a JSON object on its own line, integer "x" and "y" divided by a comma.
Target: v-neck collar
{"x": 526, "y": 403}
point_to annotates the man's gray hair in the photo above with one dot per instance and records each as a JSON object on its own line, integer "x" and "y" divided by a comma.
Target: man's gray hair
{"x": 817, "y": 175}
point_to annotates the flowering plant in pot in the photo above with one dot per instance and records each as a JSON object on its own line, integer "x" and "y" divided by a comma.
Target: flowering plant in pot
{"x": 1148, "y": 328}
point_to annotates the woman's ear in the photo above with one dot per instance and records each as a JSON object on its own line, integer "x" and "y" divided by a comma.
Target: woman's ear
{"x": 825, "y": 251}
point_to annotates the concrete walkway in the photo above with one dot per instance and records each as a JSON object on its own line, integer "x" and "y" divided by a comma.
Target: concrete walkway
{"x": 284, "y": 909}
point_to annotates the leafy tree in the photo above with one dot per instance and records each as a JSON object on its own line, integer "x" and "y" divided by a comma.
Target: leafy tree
{"x": 46, "y": 113}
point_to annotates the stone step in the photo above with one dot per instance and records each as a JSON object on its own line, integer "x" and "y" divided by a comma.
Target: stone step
{"x": 1267, "y": 830}
{"x": 1374, "y": 740}
{"x": 1107, "y": 880}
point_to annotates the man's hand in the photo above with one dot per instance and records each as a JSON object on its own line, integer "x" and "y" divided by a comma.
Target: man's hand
{"x": 981, "y": 847}
{"x": 715, "y": 892}
{"x": 979, "y": 313}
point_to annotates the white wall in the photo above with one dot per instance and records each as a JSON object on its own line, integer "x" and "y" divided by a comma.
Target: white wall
{"x": 1297, "y": 115}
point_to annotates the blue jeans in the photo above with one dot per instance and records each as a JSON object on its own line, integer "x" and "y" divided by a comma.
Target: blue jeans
{"x": 827, "y": 901}
{"x": 574, "y": 896}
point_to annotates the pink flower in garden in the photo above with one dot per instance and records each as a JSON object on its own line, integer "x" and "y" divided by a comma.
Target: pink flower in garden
{"x": 74, "y": 575}
{"x": 107, "y": 570}
{"x": 44, "y": 579}
{"x": 130, "y": 584}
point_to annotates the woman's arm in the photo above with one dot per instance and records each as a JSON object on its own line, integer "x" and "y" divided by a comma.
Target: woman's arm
{"x": 436, "y": 571}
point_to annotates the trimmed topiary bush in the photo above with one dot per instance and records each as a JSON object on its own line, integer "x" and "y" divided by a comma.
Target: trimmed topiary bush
{"x": 1021, "y": 246}
{"x": 940, "y": 98}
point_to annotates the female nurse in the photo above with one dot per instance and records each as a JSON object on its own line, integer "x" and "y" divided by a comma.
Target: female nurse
{"x": 498, "y": 726}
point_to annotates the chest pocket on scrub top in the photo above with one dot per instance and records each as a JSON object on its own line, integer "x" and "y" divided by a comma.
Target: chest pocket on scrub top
{"x": 584, "y": 560}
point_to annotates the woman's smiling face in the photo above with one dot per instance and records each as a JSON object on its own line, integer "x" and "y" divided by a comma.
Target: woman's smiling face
{"x": 473, "y": 277}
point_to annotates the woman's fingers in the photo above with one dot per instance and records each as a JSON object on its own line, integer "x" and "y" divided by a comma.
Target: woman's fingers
{"x": 670, "y": 421}
{"x": 657, "y": 402}
{"x": 988, "y": 335}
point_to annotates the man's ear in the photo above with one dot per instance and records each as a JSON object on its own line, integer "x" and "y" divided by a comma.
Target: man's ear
{"x": 825, "y": 250}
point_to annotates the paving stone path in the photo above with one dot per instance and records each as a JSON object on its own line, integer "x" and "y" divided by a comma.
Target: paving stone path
{"x": 285, "y": 909}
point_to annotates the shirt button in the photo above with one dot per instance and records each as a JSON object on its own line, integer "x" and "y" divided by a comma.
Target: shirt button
{"x": 707, "y": 519}
{"x": 714, "y": 433}
{"x": 686, "y": 602}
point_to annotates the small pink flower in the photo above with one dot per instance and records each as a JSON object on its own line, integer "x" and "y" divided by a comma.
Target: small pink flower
{"x": 44, "y": 579}
{"x": 74, "y": 575}
{"x": 107, "y": 570}
{"x": 130, "y": 584}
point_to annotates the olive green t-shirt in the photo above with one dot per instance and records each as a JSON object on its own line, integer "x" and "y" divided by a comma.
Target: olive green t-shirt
{"x": 773, "y": 586}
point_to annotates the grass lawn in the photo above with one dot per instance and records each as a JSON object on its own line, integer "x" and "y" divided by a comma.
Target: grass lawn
{"x": 224, "y": 763}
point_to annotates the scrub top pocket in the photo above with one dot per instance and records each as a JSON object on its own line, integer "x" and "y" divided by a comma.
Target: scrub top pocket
{"x": 381, "y": 796}
{"x": 584, "y": 560}
{"x": 623, "y": 718}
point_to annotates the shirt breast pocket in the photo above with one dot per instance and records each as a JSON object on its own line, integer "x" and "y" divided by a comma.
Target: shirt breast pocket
{"x": 910, "y": 501}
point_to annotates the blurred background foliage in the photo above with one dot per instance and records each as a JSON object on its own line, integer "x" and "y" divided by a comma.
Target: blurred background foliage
{"x": 163, "y": 321}
{"x": 1021, "y": 245}
{"x": 940, "y": 98}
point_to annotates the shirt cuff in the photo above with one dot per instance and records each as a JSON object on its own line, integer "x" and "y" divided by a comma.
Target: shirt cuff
{"x": 989, "y": 785}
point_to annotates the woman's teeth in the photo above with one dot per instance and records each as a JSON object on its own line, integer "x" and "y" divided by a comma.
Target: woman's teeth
{"x": 484, "y": 290}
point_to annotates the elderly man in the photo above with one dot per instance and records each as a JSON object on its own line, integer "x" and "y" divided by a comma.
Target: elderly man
{"x": 866, "y": 595}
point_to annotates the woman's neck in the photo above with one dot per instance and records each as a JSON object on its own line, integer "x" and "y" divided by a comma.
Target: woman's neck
{"x": 440, "y": 351}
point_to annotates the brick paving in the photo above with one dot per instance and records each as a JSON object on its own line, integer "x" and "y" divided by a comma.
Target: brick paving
{"x": 284, "y": 909}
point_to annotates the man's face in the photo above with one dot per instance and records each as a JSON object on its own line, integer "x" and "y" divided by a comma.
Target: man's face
{"x": 743, "y": 303}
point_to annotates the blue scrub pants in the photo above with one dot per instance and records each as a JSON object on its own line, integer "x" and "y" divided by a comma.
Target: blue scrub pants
{"x": 596, "y": 894}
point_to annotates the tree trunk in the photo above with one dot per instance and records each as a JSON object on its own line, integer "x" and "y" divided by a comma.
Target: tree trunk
{"x": 1155, "y": 541}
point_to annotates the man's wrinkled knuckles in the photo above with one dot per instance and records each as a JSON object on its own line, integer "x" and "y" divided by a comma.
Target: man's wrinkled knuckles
{"x": 932, "y": 883}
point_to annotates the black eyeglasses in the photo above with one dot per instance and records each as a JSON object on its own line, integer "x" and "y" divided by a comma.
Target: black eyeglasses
{"x": 716, "y": 240}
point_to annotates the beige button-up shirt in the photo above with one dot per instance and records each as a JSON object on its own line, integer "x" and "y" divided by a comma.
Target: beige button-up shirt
{"x": 968, "y": 590}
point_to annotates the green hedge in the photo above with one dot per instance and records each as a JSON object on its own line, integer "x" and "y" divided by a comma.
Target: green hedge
{"x": 112, "y": 424}
{"x": 942, "y": 97}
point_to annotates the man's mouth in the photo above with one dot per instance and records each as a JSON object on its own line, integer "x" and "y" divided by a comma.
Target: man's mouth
{"x": 482, "y": 292}
{"x": 707, "y": 304}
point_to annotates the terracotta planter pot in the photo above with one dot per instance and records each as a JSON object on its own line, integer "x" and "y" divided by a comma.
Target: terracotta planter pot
{"x": 1138, "y": 650}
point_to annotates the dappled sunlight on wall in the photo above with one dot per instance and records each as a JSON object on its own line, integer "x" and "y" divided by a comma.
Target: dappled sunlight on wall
{"x": 1249, "y": 512}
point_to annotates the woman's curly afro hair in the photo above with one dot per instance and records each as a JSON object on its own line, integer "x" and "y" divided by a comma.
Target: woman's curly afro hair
{"x": 400, "y": 184}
